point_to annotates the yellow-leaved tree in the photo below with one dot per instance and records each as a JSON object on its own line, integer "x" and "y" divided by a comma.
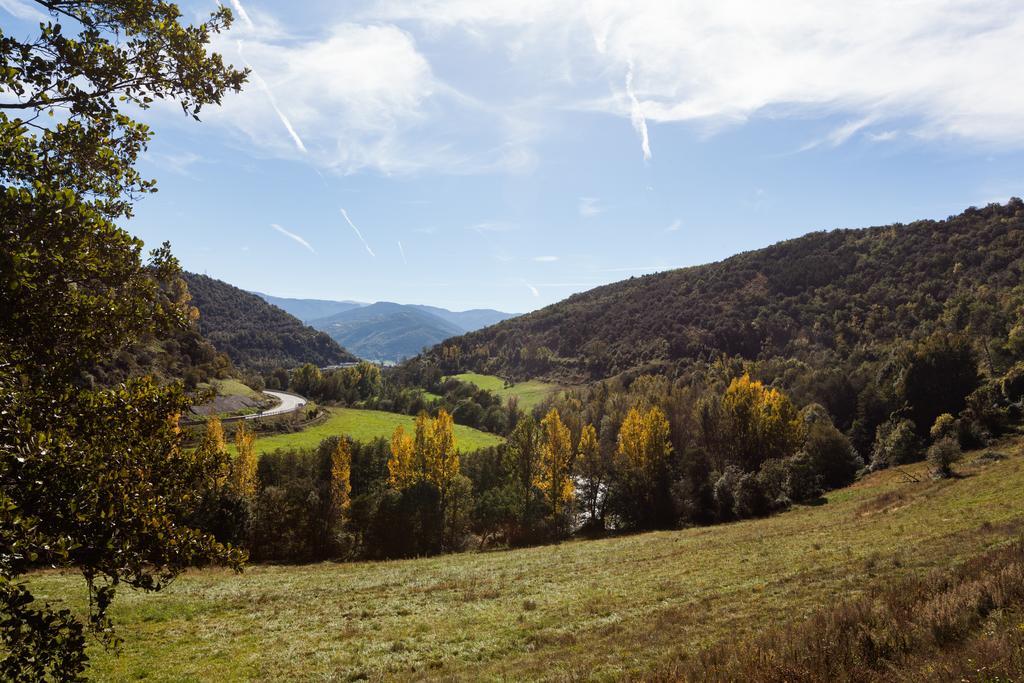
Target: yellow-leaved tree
{"x": 755, "y": 423}
{"x": 554, "y": 477}
{"x": 430, "y": 455}
{"x": 592, "y": 472}
{"x": 441, "y": 456}
{"x": 242, "y": 475}
{"x": 341, "y": 477}
{"x": 400, "y": 465}
{"x": 213, "y": 445}
{"x": 642, "y": 496}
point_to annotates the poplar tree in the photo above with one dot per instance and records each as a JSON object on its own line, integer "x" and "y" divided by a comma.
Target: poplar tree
{"x": 554, "y": 477}
{"x": 243, "y": 477}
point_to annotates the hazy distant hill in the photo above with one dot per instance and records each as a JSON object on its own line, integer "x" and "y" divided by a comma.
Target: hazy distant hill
{"x": 387, "y": 331}
{"x": 309, "y": 309}
{"x": 254, "y": 333}
{"x": 818, "y": 299}
{"x": 470, "y": 320}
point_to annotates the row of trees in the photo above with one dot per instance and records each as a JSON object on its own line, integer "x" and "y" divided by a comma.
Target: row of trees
{"x": 750, "y": 452}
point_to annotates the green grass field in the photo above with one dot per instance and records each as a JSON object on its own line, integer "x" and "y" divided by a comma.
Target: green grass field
{"x": 529, "y": 393}
{"x": 584, "y": 609}
{"x": 365, "y": 425}
{"x": 232, "y": 387}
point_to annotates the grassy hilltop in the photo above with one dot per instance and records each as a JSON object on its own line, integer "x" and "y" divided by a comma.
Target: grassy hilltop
{"x": 642, "y": 604}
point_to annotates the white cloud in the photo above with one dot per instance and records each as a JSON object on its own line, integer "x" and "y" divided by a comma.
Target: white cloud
{"x": 883, "y": 136}
{"x": 945, "y": 66}
{"x": 674, "y": 226}
{"x": 545, "y": 259}
{"x": 358, "y": 234}
{"x": 590, "y": 207}
{"x": 293, "y": 236}
{"x": 401, "y": 250}
{"x": 533, "y": 290}
{"x": 22, "y": 10}
{"x": 636, "y": 115}
{"x": 841, "y": 134}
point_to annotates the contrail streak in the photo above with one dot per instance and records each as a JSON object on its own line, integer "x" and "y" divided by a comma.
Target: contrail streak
{"x": 293, "y": 236}
{"x": 242, "y": 13}
{"x": 262, "y": 84}
{"x": 358, "y": 234}
{"x": 402, "y": 250}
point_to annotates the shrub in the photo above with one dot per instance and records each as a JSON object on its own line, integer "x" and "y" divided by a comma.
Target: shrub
{"x": 1012, "y": 383}
{"x": 941, "y": 456}
{"x": 830, "y": 456}
{"x": 945, "y": 426}
{"x": 724, "y": 492}
{"x": 895, "y": 444}
{"x": 803, "y": 482}
{"x": 749, "y": 499}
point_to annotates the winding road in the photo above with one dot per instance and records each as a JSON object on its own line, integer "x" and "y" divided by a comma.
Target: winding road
{"x": 289, "y": 404}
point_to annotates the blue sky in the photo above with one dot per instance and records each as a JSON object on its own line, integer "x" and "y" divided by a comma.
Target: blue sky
{"x": 506, "y": 155}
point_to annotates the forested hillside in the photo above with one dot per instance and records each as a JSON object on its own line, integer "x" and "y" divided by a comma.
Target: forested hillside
{"x": 819, "y": 298}
{"x": 387, "y": 331}
{"x": 255, "y": 334}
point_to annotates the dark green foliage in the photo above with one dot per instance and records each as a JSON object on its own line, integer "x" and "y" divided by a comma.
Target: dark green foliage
{"x": 896, "y": 443}
{"x": 830, "y": 456}
{"x": 1012, "y": 383}
{"x": 940, "y": 373}
{"x": 254, "y": 334}
{"x": 941, "y": 456}
{"x": 819, "y": 299}
{"x": 92, "y": 478}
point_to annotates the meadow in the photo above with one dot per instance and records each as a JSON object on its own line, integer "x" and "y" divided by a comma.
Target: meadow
{"x": 366, "y": 425}
{"x": 529, "y": 393}
{"x": 638, "y": 605}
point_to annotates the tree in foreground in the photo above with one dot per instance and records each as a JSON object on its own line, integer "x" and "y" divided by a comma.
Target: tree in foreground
{"x": 95, "y": 479}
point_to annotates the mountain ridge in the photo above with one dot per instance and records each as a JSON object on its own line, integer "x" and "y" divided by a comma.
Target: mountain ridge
{"x": 825, "y": 293}
{"x": 254, "y": 333}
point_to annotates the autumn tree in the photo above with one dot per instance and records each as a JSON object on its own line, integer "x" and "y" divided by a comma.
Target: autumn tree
{"x": 341, "y": 474}
{"x": 430, "y": 458}
{"x": 400, "y": 461}
{"x": 592, "y": 472}
{"x": 554, "y": 474}
{"x": 242, "y": 476}
{"x": 642, "y": 485}
{"x": 748, "y": 424}
{"x": 94, "y": 479}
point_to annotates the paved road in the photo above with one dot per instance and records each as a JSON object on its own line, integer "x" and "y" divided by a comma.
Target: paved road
{"x": 289, "y": 404}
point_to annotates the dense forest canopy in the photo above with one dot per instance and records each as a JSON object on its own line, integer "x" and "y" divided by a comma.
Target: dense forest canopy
{"x": 257, "y": 335}
{"x": 818, "y": 298}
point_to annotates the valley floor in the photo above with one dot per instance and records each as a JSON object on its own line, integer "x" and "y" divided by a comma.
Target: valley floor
{"x": 630, "y": 605}
{"x": 365, "y": 425}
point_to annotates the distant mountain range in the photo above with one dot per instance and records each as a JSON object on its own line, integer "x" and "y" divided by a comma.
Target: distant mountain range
{"x": 385, "y": 331}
